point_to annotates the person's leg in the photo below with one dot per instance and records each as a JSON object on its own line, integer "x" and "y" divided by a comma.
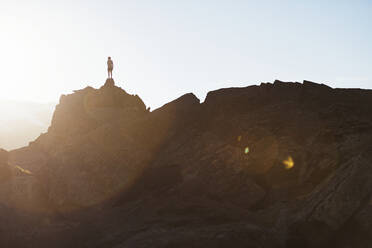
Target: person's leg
{"x": 108, "y": 73}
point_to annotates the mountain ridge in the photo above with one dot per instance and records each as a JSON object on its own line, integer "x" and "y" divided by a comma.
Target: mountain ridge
{"x": 201, "y": 174}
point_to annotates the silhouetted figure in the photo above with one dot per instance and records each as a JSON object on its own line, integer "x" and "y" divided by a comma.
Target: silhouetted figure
{"x": 110, "y": 67}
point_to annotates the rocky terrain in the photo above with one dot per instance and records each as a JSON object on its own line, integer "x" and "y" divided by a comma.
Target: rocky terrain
{"x": 277, "y": 165}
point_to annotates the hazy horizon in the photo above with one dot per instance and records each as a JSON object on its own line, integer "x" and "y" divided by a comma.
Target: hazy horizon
{"x": 22, "y": 122}
{"x": 165, "y": 49}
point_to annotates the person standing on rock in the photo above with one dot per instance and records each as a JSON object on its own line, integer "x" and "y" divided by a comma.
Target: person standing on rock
{"x": 110, "y": 67}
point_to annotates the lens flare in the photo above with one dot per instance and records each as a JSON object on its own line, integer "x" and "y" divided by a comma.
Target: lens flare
{"x": 239, "y": 138}
{"x": 246, "y": 150}
{"x": 23, "y": 170}
{"x": 288, "y": 163}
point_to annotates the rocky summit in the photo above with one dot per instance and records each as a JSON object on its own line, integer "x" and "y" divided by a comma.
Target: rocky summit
{"x": 281, "y": 164}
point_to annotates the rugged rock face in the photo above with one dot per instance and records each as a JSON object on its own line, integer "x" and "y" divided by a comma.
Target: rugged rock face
{"x": 86, "y": 156}
{"x": 275, "y": 165}
{"x": 4, "y": 168}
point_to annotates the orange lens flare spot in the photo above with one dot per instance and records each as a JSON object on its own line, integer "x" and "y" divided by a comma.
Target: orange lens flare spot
{"x": 23, "y": 170}
{"x": 288, "y": 163}
{"x": 246, "y": 150}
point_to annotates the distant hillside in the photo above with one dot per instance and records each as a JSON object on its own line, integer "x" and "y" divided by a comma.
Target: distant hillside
{"x": 22, "y": 122}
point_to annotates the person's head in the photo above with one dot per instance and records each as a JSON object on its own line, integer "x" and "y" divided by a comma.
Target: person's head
{"x": 109, "y": 57}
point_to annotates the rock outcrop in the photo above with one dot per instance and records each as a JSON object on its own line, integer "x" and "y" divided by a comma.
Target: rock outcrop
{"x": 4, "y": 168}
{"x": 276, "y": 165}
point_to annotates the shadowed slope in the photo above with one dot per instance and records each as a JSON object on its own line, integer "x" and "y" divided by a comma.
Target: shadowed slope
{"x": 210, "y": 174}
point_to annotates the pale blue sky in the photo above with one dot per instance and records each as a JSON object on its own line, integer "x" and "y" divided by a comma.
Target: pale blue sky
{"x": 163, "y": 49}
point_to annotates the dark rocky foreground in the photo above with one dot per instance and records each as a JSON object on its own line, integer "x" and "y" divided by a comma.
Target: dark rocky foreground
{"x": 275, "y": 165}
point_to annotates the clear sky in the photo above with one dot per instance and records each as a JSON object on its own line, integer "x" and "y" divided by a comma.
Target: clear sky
{"x": 162, "y": 49}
